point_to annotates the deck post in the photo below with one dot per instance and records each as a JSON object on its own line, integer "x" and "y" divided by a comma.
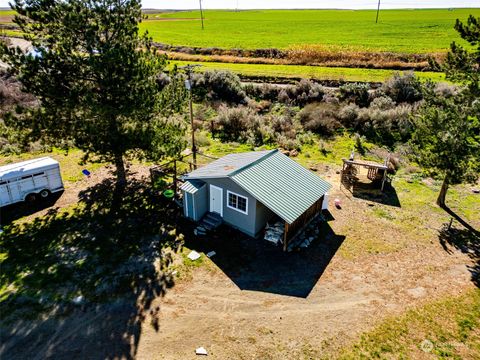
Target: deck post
{"x": 175, "y": 178}
{"x": 383, "y": 179}
{"x": 285, "y": 237}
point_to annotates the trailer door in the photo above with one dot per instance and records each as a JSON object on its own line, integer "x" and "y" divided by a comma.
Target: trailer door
{"x": 5, "y": 197}
{"x": 14, "y": 189}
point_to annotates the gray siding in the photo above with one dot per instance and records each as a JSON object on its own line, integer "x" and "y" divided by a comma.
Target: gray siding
{"x": 195, "y": 205}
{"x": 239, "y": 220}
{"x": 264, "y": 214}
{"x": 251, "y": 223}
{"x": 187, "y": 205}
{"x": 201, "y": 202}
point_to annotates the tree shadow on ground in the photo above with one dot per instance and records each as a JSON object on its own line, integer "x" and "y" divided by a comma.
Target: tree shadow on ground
{"x": 468, "y": 242}
{"x": 13, "y": 212}
{"x": 258, "y": 265}
{"x": 460, "y": 220}
{"x": 372, "y": 192}
{"x": 91, "y": 271}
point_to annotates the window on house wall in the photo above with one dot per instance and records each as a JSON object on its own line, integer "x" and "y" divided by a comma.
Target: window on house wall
{"x": 237, "y": 202}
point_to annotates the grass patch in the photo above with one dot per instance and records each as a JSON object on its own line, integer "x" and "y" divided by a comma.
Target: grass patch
{"x": 382, "y": 213}
{"x": 183, "y": 267}
{"x": 305, "y": 71}
{"x": 70, "y": 162}
{"x": 450, "y": 325}
{"x": 432, "y": 29}
{"x": 368, "y": 240}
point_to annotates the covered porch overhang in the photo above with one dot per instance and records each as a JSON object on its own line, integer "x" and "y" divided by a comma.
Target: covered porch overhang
{"x": 295, "y": 228}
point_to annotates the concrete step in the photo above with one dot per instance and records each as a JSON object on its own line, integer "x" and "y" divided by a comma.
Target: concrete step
{"x": 207, "y": 226}
{"x": 214, "y": 217}
{"x": 212, "y": 222}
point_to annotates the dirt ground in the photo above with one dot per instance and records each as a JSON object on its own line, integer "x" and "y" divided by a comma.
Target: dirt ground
{"x": 218, "y": 310}
{"x": 253, "y": 302}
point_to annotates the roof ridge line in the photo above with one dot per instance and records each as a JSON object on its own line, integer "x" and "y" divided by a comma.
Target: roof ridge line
{"x": 270, "y": 153}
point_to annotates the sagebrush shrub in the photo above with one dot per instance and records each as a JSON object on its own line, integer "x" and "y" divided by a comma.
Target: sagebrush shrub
{"x": 385, "y": 126}
{"x": 356, "y": 93}
{"x": 218, "y": 85}
{"x": 348, "y": 115}
{"x": 382, "y": 103}
{"x": 403, "y": 88}
{"x": 264, "y": 91}
{"x": 320, "y": 118}
{"x": 302, "y": 93}
{"x": 445, "y": 90}
{"x": 234, "y": 124}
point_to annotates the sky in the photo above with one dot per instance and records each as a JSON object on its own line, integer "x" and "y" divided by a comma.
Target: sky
{"x": 292, "y": 4}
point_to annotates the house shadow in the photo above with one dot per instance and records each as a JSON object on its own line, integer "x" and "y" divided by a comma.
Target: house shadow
{"x": 258, "y": 265}
{"x": 85, "y": 277}
{"x": 16, "y": 211}
{"x": 372, "y": 192}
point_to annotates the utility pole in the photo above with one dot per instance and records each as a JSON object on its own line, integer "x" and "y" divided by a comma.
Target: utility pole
{"x": 188, "y": 84}
{"x": 201, "y": 12}
{"x": 378, "y": 10}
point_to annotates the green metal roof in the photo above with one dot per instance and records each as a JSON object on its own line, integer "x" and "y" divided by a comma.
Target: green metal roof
{"x": 281, "y": 184}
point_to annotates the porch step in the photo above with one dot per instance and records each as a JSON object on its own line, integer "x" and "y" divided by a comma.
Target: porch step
{"x": 213, "y": 216}
{"x": 209, "y": 222}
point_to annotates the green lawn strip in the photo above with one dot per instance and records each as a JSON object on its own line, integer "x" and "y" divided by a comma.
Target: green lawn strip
{"x": 311, "y": 72}
{"x": 448, "y": 328}
{"x": 11, "y": 33}
{"x": 7, "y": 12}
{"x": 404, "y": 31}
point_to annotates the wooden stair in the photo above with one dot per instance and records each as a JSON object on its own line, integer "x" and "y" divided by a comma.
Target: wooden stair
{"x": 209, "y": 222}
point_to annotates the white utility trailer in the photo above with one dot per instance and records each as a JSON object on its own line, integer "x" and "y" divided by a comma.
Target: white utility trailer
{"x": 29, "y": 180}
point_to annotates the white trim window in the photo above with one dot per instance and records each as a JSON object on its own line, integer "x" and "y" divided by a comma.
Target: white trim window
{"x": 237, "y": 202}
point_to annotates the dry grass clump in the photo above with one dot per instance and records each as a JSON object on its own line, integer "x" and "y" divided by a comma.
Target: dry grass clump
{"x": 316, "y": 55}
{"x": 320, "y": 55}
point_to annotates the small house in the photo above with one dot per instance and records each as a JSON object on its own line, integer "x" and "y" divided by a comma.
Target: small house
{"x": 249, "y": 189}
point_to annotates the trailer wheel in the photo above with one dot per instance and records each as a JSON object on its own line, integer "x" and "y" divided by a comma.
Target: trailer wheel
{"x": 44, "y": 194}
{"x": 31, "y": 198}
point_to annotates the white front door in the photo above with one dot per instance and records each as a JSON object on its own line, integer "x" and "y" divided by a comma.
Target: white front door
{"x": 216, "y": 199}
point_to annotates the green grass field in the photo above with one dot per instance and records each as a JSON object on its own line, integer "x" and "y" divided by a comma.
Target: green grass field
{"x": 311, "y": 72}
{"x": 409, "y": 31}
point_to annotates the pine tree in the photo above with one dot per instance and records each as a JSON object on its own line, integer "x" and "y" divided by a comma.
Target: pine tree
{"x": 446, "y": 139}
{"x": 96, "y": 79}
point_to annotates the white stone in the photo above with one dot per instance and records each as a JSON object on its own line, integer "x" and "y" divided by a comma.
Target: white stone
{"x": 201, "y": 351}
{"x": 193, "y": 255}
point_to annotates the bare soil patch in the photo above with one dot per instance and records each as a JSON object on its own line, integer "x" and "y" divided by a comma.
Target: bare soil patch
{"x": 6, "y": 18}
